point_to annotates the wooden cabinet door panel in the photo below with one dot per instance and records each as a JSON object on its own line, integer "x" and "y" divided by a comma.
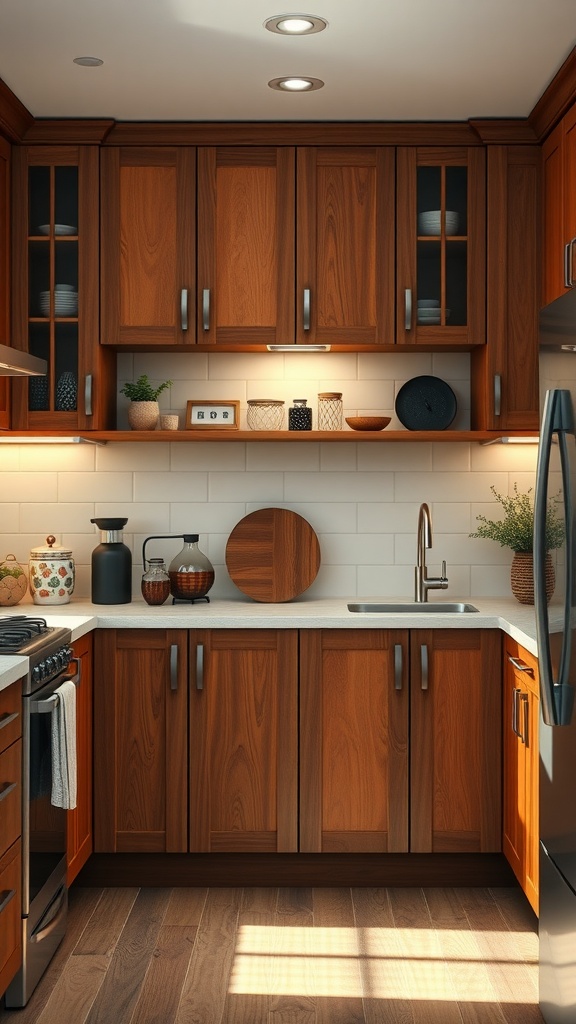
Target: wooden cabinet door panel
{"x": 4, "y": 274}
{"x": 141, "y": 741}
{"x": 245, "y": 245}
{"x": 148, "y": 245}
{"x": 455, "y": 741}
{"x": 79, "y": 840}
{"x": 521, "y": 767}
{"x": 243, "y": 740}
{"x": 354, "y": 741}
{"x": 554, "y": 239}
{"x": 345, "y": 245}
{"x": 504, "y": 377}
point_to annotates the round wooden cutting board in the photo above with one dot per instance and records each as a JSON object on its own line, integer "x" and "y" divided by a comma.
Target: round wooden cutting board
{"x": 273, "y": 555}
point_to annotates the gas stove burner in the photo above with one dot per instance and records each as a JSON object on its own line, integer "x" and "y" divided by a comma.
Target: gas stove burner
{"x": 16, "y": 630}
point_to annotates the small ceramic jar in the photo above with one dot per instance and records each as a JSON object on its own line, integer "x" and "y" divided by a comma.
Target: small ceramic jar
{"x": 51, "y": 573}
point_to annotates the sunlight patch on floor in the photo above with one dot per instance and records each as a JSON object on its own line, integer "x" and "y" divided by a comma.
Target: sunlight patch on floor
{"x": 379, "y": 963}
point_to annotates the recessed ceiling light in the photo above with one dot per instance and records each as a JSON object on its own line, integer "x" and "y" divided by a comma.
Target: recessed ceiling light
{"x": 296, "y": 84}
{"x": 88, "y": 62}
{"x": 295, "y": 24}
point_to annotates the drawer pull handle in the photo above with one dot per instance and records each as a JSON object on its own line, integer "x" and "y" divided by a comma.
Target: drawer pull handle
{"x": 521, "y": 666}
{"x": 88, "y": 394}
{"x": 6, "y": 788}
{"x": 524, "y": 731}
{"x": 6, "y": 719}
{"x": 6, "y": 895}
{"x": 424, "y": 666}
{"x": 306, "y": 314}
{"x": 184, "y": 309}
{"x": 407, "y": 309}
{"x": 497, "y": 394}
{"x": 515, "y": 694}
{"x": 206, "y": 309}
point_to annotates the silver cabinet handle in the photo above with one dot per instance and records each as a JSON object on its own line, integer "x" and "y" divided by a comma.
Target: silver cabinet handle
{"x": 6, "y": 719}
{"x": 521, "y": 666}
{"x": 306, "y": 310}
{"x": 397, "y": 666}
{"x": 206, "y": 309}
{"x": 424, "y": 666}
{"x": 569, "y": 263}
{"x": 174, "y": 666}
{"x": 6, "y": 895}
{"x": 515, "y": 694}
{"x": 199, "y": 666}
{"x": 497, "y": 394}
{"x": 6, "y": 789}
{"x": 184, "y": 309}
{"x": 407, "y": 309}
{"x": 88, "y": 394}
{"x": 524, "y": 730}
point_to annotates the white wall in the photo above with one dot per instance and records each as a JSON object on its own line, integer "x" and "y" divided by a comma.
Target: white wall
{"x": 362, "y": 499}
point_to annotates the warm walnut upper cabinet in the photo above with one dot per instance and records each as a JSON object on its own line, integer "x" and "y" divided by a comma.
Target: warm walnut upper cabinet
{"x": 292, "y": 246}
{"x": 441, "y": 216}
{"x": 559, "y": 202}
{"x": 148, "y": 262}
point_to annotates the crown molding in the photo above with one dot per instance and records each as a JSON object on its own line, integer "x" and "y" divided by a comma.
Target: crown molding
{"x": 15, "y": 118}
{"x": 68, "y": 131}
{"x": 556, "y": 99}
{"x": 504, "y": 131}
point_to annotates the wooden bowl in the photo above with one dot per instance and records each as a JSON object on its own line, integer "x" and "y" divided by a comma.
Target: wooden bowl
{"x": 368, "y": 422}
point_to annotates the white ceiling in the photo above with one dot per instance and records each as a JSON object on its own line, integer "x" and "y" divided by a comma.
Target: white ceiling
{"x": 381, "y": 60}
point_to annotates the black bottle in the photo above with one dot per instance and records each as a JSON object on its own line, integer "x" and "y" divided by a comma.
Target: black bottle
{"x": 111, "y": 565}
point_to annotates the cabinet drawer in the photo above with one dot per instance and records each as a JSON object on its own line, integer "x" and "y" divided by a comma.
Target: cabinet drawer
{"x": 10, "y": 920}
{"x": 10, "y": 795}
{"x": 10, "y": 714}
{"x": 524, "y": 666}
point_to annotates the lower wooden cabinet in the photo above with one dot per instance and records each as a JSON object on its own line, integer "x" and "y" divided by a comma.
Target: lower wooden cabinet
{"x": 140, "y": 737}
{"x": 10, "y": 832}
{"x": 200, "y": 746}
{"x": 79, "y": 821}
{"x": 521, "y": 757}
{"x": 364, "y": 766}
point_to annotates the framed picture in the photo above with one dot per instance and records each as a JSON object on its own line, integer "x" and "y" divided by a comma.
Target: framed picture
{"x": 212, "y": 415}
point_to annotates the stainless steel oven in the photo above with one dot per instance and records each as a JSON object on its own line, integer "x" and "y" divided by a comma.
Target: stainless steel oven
{"x": 44, "y": 891}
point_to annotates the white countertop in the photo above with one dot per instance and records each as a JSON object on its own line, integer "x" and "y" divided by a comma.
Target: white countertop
{"x": 81, "y": 617}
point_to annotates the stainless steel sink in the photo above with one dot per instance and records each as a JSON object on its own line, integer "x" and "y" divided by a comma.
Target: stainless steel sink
{"x": 418, "y": 608}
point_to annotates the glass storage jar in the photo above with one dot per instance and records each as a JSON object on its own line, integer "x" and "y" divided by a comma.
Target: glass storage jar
{"x": 330, "y": 410}
{"x": 265, "y": 414}
{"x": 299, "y": 415}
{"x": 155, "y": 582}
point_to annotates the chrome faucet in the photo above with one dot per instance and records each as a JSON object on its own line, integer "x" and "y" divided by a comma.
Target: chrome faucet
{"x": 422, "y": 582}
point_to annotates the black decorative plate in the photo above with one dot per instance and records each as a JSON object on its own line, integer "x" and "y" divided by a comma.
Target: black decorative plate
{"x": 426, "y": 403}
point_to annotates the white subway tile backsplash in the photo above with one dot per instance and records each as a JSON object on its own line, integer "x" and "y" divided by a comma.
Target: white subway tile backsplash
{"x": 361, "y": 498}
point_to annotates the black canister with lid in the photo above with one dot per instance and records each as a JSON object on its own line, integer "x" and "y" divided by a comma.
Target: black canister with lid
{"x": 299, "y": 415}
{"x": 111, "y": 564}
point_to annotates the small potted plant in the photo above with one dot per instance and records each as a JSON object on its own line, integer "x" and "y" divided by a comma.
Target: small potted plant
{"x": 516, "y": 530}
{"x": 143, "y": 411}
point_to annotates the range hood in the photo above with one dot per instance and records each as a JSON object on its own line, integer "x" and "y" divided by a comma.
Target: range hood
{"x": 14, "y": 363}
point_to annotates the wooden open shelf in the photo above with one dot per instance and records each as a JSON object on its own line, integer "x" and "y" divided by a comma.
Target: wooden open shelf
{"x": 347, "y": 436}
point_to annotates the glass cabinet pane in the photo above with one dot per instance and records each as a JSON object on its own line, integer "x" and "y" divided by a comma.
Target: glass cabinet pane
{"x": 441, "y": 252}
{"x": 66, "y": 200}
{"x": 39, "y": 279}
{"x": 39, "y": 387}
{"x": 66, "y": 367}
{"x": 39, "y": 201}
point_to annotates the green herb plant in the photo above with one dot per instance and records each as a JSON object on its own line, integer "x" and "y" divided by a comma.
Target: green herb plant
{"x": 516, "y": 529}
{"x": 141, "y": 390}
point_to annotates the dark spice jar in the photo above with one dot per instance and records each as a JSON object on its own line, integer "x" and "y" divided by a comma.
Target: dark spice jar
{"x": 299, "y": 415}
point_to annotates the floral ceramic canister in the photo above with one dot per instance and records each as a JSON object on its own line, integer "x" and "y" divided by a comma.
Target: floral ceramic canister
{"x": 51, "y": 573}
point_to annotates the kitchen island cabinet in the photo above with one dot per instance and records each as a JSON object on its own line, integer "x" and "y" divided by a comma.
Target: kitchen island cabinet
{"x": 358, "y": 751}
{"x": 521, "y": 766}
{"x": 79, "y": 820}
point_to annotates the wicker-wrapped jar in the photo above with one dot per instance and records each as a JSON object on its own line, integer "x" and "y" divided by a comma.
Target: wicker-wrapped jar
{"x": 13, "y": 582}
{"x": 330, "y": 410}
{"x": 522, "y": 577}
{"x": 265, "y": 413}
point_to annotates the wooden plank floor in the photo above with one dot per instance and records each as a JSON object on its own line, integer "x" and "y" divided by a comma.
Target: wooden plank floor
{"x": 291, "y": 956}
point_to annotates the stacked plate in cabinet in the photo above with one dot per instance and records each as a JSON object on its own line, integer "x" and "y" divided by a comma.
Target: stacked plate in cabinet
{"x": 65, "y": 301}
{"x": 429, "y": 311}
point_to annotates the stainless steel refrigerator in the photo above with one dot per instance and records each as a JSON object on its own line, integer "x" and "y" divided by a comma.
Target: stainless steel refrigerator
{"x": 556, "y": 475}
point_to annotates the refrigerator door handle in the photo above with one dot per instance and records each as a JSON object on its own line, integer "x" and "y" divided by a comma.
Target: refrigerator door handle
{"x": 557, "y": 695}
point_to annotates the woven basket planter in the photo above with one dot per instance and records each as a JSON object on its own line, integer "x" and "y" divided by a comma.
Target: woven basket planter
{"x": 143, "y": 415}
{"x": 522, "y": 577}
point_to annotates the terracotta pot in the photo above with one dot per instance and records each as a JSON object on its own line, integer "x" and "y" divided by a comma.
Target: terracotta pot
{"x": 143, "y": 415}
{"x": 522, "y": 577}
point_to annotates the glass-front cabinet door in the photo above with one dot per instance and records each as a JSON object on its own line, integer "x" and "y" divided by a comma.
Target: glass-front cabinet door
{"x": 55, "y": 287}
{"x": 440, "y": 246}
